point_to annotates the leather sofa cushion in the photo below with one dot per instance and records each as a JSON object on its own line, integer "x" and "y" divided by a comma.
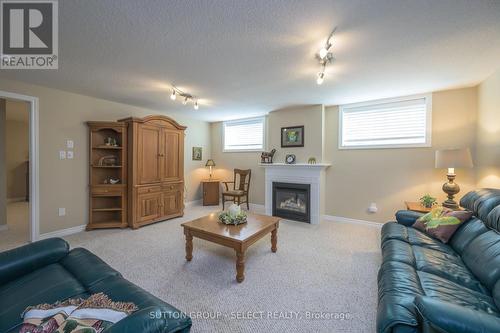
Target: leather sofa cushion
{"x": 482, "y": 256}
{"x": 86, "y": 267}
{"x": 493, "y": 219}
{"x": 407, "y": 217}
{"x": 49, "y": 284}
{"x": 398, "y": 284}
{"x": 25, "y": 259}
{"x": 120, "y": 289}
{"x": 449, "y": 266}
{"x": 481, "y": 202}
{"x": 448, "y": 291}
{"x": 466, "y": 234}
{"x": 412, "y": 236}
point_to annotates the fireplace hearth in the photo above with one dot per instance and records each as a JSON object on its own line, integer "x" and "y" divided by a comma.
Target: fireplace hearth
{"x": 292, "y": 201}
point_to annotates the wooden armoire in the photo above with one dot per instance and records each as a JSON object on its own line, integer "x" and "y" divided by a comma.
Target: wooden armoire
{"x": 155, "y": 169}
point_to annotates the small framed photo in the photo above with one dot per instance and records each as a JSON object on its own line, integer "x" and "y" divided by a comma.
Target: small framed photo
{"x": 292, "y": 136}
{"x": 197, "y": 153}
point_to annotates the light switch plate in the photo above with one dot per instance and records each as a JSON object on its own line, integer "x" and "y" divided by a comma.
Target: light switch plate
{"x": 70, "y": 144}
{"x": 62, "y": 154}
{"x": 69, "y": 154}
{"x": 62, "y": 211}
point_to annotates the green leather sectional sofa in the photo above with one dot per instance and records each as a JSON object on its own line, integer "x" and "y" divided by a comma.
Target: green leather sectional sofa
{"x": 427, "y": 286}
{"x": 47, "y": 272}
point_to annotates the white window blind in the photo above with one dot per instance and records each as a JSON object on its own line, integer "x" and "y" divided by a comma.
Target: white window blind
{"x": 404, "y": 122}
{"x": 244, "y": 134}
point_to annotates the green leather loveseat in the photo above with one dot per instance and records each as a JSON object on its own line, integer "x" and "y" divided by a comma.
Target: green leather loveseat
{"x": 427, "y": 286}
{"x": 47, "y": 272}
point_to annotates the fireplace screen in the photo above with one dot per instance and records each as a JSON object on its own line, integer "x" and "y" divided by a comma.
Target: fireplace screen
{"x": 291, "y": 201}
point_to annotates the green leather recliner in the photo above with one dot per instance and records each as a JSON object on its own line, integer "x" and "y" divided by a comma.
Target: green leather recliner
{"x": 47, "y": 272}
{"x": 427, "y": 286}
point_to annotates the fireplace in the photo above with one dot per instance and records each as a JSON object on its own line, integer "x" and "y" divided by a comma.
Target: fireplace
{"x": 292, "y": 201}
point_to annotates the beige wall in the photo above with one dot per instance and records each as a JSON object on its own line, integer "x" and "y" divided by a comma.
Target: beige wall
{"x": 388, "y": 177}
{"x": 488, "y": 133}
{"x": 64, "y": 183}
{"x": 17, "y": 148}
{"x": 3, "y": 184}
{"x": 357, "y": 178}
{"x": 310, "y": 116}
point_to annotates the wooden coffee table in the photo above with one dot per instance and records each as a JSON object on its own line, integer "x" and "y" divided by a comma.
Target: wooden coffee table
{"x": 238, "y": 237}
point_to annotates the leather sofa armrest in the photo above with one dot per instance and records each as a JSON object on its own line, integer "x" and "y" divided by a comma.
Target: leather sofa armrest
{"x": 28, "y": 258}
{"x": 443, "y": 317}
{"x": 407, "y": 217}
{"x": 153, "y": 319}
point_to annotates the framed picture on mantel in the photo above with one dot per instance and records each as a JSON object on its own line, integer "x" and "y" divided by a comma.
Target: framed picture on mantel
{"x": 292, "y": 136}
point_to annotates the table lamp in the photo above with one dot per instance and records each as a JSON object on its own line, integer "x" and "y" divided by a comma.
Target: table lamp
{"x": 210, "y": 163}
{"x": 451, "y": 159}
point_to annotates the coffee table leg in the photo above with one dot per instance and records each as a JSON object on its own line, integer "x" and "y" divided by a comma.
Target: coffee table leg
{"x": 189, "y": 246}
{"x": 240, "y": 266}
{"x": 274, "y": 240}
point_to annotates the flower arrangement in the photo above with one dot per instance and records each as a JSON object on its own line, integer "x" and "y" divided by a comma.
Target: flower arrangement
{"x": 234, "y": 215}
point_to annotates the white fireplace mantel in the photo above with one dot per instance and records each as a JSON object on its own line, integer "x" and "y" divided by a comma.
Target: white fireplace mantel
{"x": 299, "y": 173}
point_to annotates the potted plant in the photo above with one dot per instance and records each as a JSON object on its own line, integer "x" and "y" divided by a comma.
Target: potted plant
{"x": 427, "y": 201}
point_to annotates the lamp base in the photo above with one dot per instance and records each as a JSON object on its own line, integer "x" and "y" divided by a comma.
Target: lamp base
{"x": 451, "y": 188}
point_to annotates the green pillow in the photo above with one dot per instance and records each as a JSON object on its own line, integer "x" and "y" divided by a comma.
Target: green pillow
{"x": 441, "y": 222}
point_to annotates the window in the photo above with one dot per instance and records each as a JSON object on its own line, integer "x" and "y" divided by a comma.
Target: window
{"x": 395, "y": 123}
{"x": 243, "y": 134}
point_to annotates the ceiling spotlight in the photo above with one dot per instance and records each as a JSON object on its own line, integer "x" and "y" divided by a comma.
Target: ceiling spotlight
{"x": 196, "y": 107}
{"x": 185, "y": 101}
{"x": 325, "y": 57}
{"x": 323, "y": 52}
{"x": 321, "y": 77}
{"x": 173, "y": 96}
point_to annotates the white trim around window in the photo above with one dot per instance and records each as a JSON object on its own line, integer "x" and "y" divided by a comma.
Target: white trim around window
{"x": 365, "y": 122}
{"x": 244, "y": 135}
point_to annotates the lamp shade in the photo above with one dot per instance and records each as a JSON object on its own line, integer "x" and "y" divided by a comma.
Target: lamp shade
{"x": 210, "y": 163}
{"x": 453, "y": 158}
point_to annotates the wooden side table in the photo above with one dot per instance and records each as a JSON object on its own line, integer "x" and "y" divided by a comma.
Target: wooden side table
{"x": 416, "y": 207}
{"x": 211, "y": 189}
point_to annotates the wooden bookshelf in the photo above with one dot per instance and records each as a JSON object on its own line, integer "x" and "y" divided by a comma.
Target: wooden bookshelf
{"x": 107, "y": 161}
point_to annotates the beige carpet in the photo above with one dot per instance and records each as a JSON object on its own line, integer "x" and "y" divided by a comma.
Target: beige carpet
{"x": 329, "y": 269}
{"x": 18, "y": 226}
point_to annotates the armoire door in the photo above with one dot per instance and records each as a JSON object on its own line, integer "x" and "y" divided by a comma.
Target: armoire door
{"x": 149, "y": 206}
{"x": 149, "y": 154}
{"x": 171, "y": 167}
{"x": 171, "y": 202}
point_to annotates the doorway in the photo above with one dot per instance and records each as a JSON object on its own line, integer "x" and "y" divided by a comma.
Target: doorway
{"x": 18, "y": 170}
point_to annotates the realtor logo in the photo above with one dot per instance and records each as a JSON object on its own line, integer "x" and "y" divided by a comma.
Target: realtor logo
{"x": 29, "y": 34}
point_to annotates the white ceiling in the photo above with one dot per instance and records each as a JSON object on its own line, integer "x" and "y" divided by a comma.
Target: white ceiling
{"x": 244, "y": 58}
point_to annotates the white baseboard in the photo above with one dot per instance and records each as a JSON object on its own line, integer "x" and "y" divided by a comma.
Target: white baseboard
{"x": 17, "y": 199}
{"x": 63, "y": 232}
{"x": 4, "y": 227}
{"x": 257, "y": 208}
{"x": 349, "y": 220}
{"x": 193, "y": 203}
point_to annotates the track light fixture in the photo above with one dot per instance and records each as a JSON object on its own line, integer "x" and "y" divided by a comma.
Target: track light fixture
{"x": 321, "y": 77}
{"x": 186, "y": 97}
{"x": 325, "y": 57}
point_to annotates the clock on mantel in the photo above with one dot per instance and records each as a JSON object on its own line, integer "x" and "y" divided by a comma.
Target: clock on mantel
{"x": 290, "y": 159}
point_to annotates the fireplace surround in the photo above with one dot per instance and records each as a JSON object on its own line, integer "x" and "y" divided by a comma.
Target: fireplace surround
{"x": 292, "y": 201}
{"x": 299, "y": 173}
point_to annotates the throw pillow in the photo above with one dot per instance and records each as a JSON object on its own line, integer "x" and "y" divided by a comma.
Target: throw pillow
{"x": 441, "y": 222}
